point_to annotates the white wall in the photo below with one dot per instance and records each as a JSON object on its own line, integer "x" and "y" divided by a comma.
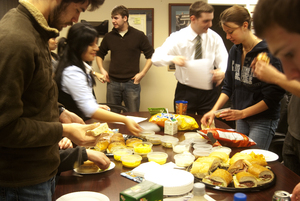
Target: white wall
{"x": 158, "y": 86}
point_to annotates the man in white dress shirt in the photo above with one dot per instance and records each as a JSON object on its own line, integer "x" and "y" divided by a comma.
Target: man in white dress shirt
{"x": 180, "y": 48}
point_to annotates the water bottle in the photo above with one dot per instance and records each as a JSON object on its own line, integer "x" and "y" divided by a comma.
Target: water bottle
{"x": 240, "y": 197}
{"x": 198, "y": 192}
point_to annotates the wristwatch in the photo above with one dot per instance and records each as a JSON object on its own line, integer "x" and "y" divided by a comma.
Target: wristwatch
{"x": 61, "y": 109}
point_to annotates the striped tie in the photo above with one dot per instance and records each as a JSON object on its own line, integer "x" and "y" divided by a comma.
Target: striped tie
{"x": 198, "y": 49}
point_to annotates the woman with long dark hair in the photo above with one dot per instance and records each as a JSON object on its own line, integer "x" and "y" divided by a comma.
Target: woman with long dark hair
{"x": 75, "y": 78}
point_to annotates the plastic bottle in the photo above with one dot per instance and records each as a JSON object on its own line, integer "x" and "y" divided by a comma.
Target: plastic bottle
{"x": 198, "y": 192}
{"x": 240, "y": 197}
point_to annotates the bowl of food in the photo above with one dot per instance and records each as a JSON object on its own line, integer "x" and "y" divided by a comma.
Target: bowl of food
{"x": 227, "y": 150}
{"x": 168, "y": 141}
{"x": 200, "y": 153}
{"x": 181, "y": 147}
{"x": 131, "y": 161}
{"x": 146, "y": 133}
{"x": 154, "y": 139}
{"x": 142, "y": 148}
{"x": 158, "y": 157}
{"x": 207, "y": 147}
{"x": 185, "y": 159}
{"x": 194, "y": 135}
{"x": 119, "y": 152}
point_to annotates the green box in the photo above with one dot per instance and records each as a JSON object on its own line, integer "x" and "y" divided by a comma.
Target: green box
{"x": 144, "y": 191}
{"x": 155, "y": 110}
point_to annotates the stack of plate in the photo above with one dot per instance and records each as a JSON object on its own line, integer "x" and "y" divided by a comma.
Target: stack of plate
{"x": 175, "y": 182}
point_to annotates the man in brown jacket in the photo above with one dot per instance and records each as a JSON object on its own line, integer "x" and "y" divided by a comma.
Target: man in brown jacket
{"x": 29, "y": 119}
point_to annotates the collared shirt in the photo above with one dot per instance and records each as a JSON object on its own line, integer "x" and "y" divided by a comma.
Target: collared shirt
{"x": 74, "y": 83}
{"x": 183, "y": 43}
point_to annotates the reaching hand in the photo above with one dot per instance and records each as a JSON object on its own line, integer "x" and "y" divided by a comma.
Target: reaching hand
{"x": 65, "y": 143}
{"x": 133, "y": 127}
{"x": 77, "y": 134}
{"x": 208, "y": 118}
{"x": 70, "y": 117}
{"x": 99, "y": 158}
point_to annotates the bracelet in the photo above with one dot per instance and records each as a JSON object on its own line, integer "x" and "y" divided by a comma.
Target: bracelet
{"x": 61, "y": 109}
{"x": 93, "y": 72}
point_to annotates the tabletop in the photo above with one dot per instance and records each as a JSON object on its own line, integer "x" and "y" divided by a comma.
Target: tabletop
{"x": 111, "y": 183}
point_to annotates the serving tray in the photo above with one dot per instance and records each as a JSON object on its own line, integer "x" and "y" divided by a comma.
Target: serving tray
{"x": 231, "y": 188}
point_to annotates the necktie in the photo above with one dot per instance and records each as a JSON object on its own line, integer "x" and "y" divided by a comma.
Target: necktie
{"x": 198, "y": 49}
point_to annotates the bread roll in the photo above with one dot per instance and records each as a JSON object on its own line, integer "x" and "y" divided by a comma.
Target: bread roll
{"x": 114, "y": 145}
{"x": 102, "y": 145}
{"x": 222, "y": 156}
{"x": 88, "y": 167}
{"x": 203, "y": 166}
{"x": 131, "y": 141}
{"x": 239, "y": 166}
{"x": 258, "y": 161}
{"x": 117, "y": 137}
{"x": 102, "y": 128}
{"x": 244, "y": 180}
{"x": 220, "y": 177}
{"x": 262, "y": 174}
{"x": 239, "y": 156}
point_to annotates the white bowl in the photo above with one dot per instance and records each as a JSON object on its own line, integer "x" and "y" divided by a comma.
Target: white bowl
{"x": 184, "y": 159}
{"x": 227, "y": 150}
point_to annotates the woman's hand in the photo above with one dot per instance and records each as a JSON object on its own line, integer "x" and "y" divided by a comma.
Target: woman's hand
{"x": 104, "y": 107}
{"x": 133, "y": 127}
{"x": 231, "y": 115}
{"x": 208, "y": 118}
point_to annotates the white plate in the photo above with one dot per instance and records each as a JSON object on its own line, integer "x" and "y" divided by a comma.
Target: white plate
{"x": 270, "y": 156}
{"x": 111, "y": 166}
{"x": 83, "y": 196}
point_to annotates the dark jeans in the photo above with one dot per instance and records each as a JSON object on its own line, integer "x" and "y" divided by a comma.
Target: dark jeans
{"x": 124, "y": 91}
{"x": 291, "y": 153}
{"x": 41, "y": 192}
{"x": 199, "y": 101}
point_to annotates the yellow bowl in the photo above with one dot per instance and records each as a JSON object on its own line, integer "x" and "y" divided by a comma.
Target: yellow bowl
{"x": 142, "y": 147}
{"x": 158, "y": 157}
{"x": 118, "y": 153}
{"x": 131, "y": 161}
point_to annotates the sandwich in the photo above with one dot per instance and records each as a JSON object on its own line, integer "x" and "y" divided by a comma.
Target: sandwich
{"x": 258, "y": 161}
{"x": 239, "y": 156}
{"x": 263, "y": 57}
{"x": 262, "y": 174}
{"x": 220, "y": 177}
{"x": 102, "y": 128}
{"x": 131, "y": 141}
{"x": 203, "y": 166}
{"x": 88, "y": 167}
{"x": 244, "y": 180}
{"x": 222, "y": 156}
{"x": 239, "y": 166}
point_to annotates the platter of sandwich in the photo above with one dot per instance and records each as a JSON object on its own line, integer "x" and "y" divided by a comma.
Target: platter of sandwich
{"x": 243, "y": 172}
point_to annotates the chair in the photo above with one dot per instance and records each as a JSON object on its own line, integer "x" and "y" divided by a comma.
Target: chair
{"x": 116, "y": 108}
{"x": 278, "y": 139}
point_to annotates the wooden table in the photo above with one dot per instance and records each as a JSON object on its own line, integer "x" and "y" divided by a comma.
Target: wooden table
{"x": 111, "y": 183}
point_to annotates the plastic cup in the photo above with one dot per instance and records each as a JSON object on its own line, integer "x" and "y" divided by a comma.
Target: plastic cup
{"x": 181, "y": 106}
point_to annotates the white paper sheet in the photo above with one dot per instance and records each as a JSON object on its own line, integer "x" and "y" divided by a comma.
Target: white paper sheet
{"x": 197, "y": 74}
{"x": 136, "y": 119}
